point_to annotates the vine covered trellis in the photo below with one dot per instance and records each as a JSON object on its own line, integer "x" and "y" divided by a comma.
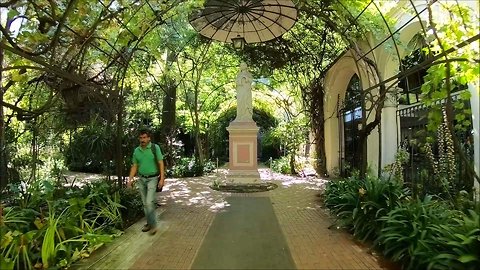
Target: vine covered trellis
{"x": 79, "y": 77}
{"x": 81, "y": 59}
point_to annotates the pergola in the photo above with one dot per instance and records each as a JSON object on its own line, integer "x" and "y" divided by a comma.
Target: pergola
{"x": 338, "y": 17}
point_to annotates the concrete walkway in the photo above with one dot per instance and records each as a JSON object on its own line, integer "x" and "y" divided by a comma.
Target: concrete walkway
{"x": 189, "y": 207}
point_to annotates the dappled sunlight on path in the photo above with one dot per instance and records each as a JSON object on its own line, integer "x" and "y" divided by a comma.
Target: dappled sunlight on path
{"x": 193, "y": 192}
{"x": 188, "y": 207}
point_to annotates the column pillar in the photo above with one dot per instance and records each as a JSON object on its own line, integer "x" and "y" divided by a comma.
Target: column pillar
{"x": 475, "y": 105}
{"x": 389, "y": 130}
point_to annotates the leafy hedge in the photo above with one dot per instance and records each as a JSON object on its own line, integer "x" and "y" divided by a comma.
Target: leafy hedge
{"x": 46, "y": 225}
{"x": 281, "y": 165}
{"x": 417, "y": 233}
{"x": 189, "y": 167}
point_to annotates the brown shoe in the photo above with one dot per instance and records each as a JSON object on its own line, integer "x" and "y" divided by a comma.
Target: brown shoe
{"x": 146, "y": 228}
{"x": 153, "y": 231}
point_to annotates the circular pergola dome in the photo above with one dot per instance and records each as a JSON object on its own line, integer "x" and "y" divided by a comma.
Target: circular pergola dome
{"x": 253, "y": 20}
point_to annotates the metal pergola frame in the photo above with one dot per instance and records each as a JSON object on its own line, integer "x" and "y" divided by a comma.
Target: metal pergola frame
{"x": 159, "y": 17}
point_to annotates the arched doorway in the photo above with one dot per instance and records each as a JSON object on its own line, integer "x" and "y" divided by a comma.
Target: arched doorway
{"x": 350, "y": 121}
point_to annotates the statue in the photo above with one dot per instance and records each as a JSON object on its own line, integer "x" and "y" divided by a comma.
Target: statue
{"x": 244, "y": 95}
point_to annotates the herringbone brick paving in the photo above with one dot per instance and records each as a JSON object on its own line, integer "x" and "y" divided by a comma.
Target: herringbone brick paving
{"x": 189, "y": 207}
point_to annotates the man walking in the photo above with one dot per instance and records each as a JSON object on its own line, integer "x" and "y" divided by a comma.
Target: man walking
{"x": 151, "y": 174}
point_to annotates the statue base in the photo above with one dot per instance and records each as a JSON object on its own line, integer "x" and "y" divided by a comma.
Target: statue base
{"x": 243, "y": 176}
{"x": 243, "y": 152}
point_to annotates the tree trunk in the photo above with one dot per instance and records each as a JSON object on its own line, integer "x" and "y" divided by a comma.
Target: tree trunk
{"x": 318, "y": 123}
{"x": 3, "y": 146}
{"x": 34, "y": 150}
{"x": 199, "y": 149}
{"x": 119, "y": 158}
{"x": 168, "y": 125}
{"x": 292, "y": 163}
{"x": 363, "y": 153}
{"x": 118, "y": 143}
{"x": 320, "y": 150}
{"x": 198, "y": 142}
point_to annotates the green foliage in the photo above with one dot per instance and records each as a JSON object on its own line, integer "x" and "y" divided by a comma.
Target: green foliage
{"x": 371, "y": 21}
{"x": 16, "y": 245}
{"x": 377, "y": 198}
{"x": 270, "y": 145}
{"x": 417, "y": 233}
{"x": 281, "y": 165}
{"x": 396, "y": 168}
{"x": 449, "y": 179}
{"x": 132, "y": 209}
{"x": 458, "y": 243}
{"x": 445, "y": 77}
{"x": 190, "y": 167}
{"x": 292, "y": 134}
{"x": 358, "y": 204}
{"x": 410, "y": 231}
{"x": 49, "y": 225}
{"x": 342, "y": 198}
{"x": 90, "y": 149}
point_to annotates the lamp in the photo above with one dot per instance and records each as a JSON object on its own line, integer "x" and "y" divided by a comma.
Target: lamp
{"x": 238, "y": 42}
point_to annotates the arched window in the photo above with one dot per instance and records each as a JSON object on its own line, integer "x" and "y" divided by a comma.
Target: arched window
{"x": 351, "y": 119}
{"x": 353, "y": 95}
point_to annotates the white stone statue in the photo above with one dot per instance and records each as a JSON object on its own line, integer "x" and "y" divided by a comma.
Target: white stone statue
{"x": 244, "y": 95}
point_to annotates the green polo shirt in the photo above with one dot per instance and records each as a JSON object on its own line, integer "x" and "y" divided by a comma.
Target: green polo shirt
{"x": 145, "y": 160}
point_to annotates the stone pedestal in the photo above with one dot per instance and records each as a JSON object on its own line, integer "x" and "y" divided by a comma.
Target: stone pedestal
{"x": 243, "y": 152}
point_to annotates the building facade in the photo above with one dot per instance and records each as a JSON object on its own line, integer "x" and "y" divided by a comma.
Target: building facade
{"x": 402, "y": 112}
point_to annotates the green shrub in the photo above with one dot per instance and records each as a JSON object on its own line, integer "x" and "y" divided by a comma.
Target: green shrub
{"x": 209, "y": 166}
{"x": 281, "y": 165}
{"x": 270, "y": 146}
{"x": 409, "y": 231}
{"x": 419, "y": 234}
{"x": 458, "y": 243}
{"x": 377, "y": 199}
{"x": 132, "y": 209}
{"x": 342, "y": 198}
{"x": 358, "y": 204}
{"x": 189, "y": 167}
{"x": 90, "y": 149}
{"x": 48, "y": 225}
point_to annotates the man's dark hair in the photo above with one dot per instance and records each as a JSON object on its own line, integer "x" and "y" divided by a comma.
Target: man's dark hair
{"x": 145, "y": 131}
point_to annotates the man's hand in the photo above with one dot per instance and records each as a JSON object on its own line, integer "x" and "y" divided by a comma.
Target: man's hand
{"x": 130, "y": 182}
{"x": 161, "y": 181}
{"x": 131, "y": 176}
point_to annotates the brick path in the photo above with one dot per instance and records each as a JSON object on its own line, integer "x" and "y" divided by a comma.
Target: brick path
{"x": 189, "y": 207}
